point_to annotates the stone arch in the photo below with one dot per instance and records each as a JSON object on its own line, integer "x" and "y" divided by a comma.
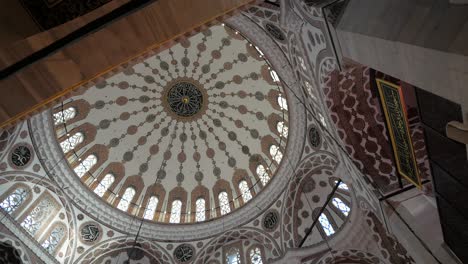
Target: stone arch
{"x": 110, "y": 249}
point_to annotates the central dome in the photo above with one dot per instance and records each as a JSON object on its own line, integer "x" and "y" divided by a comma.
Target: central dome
{"x": 182, "y": 135}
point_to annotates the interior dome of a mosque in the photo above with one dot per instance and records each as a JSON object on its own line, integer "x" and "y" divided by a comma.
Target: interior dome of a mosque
{"x": 184, "y": 135}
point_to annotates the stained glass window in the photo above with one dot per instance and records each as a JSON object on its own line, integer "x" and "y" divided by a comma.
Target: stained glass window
{"x": 282, "y": 103}
{"x": 51, "y": 243}
{"x": 37, "y": 216}
{"x": 176, "y": 211}
{"x": 276, "y": 154}
{"x": 104, "y": 184}
{"x": 224, "y": 203}
{"x": 263, "y": 174}
{"x": 326, "y": 225}
{"x": 14, "y": 200}
{"x": 274, "y": 76}
{"x": 85, "y": 165}
{"x": 342, "y": 186}
{"x": 71, "y": 142}
{"x": 151, "y": 208}
{"x": 256, "y": 256}
{"x": 282, "y": 129}
{"x": 64, "y": 116}
{"x": 233, "y": 256}
{"x": 127, "y": 198}
{"x": 338, "y": 203}
{"x": 200, "y": 210}
{"x": 245, "y": 191}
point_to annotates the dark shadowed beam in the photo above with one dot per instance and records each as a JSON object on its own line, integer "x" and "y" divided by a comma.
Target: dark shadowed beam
{"x": 159, "y": 25}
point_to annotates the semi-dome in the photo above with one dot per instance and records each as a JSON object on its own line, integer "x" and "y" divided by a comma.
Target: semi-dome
{"x": 184, "y": 135}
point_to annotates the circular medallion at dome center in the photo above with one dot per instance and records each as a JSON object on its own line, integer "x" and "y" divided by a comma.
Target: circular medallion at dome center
{"x": 185, "y": 99}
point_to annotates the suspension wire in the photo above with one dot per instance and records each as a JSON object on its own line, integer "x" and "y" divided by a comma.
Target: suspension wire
{"x": 322, "y": 209}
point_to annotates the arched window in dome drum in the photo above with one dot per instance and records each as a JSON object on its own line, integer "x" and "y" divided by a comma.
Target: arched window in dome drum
{"x": 274, "y": 76}
{"x": 326, "y": 225}
{"x": 245, "y": 191}
{"x": 127, "y": 198}
{"x": 256, "y": 256}
{"x": 283, "y": 104}
{"x": 233, "y": 256}
{"x": 85, "y": 165}
{"x": 338, "y": 203}
{"x": 276, "y": 154}
{"x": 65, "y": 115}
{"x": 14, "y": 200}
{"x": 200, "y": 210}
{"x": 263, "y": 174}
{"x": 71, "y": 142}
{"x": 38, "y": 215}
{"x": 176, "y": 211}
{"x": 259, "y": 51}
{"x": 54, "y": 239}
{"x": 342, "y": 186}
{"x": 282, "y": 129}
{"x": 224, "y": 203}
{"x": 104, "y": 184}
{"x": 151, "y": 208}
